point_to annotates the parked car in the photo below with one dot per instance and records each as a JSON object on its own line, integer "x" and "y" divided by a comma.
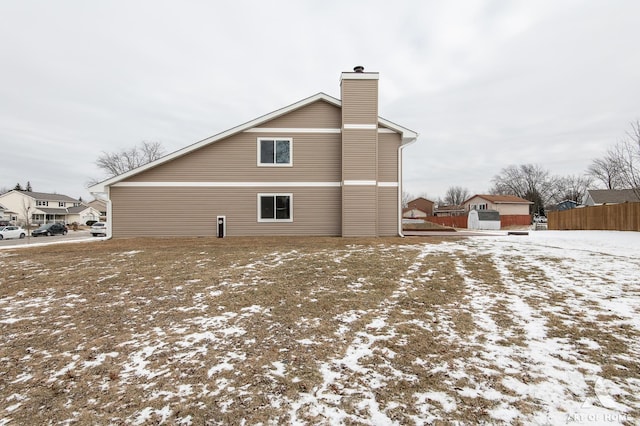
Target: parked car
{"x": 12, "y": 232}
{"x": 539, "y": 219}
{"x": 98, "y": 228}
{"x": 50, "y": 229}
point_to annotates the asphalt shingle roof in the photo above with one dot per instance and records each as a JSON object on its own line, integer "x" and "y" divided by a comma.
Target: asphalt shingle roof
{"x": 613, "y": 196}
{"x": 44, "y": 196}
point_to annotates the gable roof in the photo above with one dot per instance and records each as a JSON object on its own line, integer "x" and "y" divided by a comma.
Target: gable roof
{"x": 408, "y": 136}
{"x": 98, "y": 204}
{"x": 421, "y": 204}
{"x": 45, "y": 196}
{"x": 501, "y": 199}
{"x": 613, "y": 196}
{"x": 79, "y": 209}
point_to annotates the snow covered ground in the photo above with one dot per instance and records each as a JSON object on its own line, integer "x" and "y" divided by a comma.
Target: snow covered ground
{"x": 537, "y": 329}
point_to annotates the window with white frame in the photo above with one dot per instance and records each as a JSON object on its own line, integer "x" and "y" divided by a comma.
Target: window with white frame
{"x": 60, "y": 203}
{"x": 275, "y": 208}
{"x": 42, "y": 203}
{"x": 275, "y": 151}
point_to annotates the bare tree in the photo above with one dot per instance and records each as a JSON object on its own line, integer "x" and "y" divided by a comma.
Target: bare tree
{"x": 572, "y": 188}
{"x": 527, "y": 181}
{"x": 117, "y": 163}
{"x": 627, "y": 153}
{"x": 606, "y": 171}
{"x": 406, "y": 197}
{"x": 27, "y": 208}
{"x": 456, "y": 195}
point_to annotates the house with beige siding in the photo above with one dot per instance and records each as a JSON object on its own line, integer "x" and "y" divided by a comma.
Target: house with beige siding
{"x": 43, "y": 207}
{"x": 503, "y": 204}
{"x": 321, "y": 166}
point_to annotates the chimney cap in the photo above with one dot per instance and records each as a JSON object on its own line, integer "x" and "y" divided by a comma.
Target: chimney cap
{"x": 358, "y": 68}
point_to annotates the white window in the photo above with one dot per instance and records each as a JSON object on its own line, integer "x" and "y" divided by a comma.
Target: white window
{"x": 60, "y": 204}
{"x": 275, "y": 152}
{"x": 42, "y": 203}
{"x": 275, "y": 208}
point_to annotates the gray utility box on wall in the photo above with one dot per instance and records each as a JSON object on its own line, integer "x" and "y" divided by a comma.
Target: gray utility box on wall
{"x": 221, "y": 226}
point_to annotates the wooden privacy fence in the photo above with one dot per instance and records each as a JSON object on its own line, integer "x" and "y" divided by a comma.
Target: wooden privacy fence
{"x": 612, "y": 217}
{"x": 452, "y": 221}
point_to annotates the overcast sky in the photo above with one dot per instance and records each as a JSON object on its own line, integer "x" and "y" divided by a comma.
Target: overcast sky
{"x": 486, "y": 84}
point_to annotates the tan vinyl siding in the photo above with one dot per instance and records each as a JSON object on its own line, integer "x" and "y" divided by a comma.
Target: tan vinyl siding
{"x": 161, "y": 211}
{"x": 359, "y": 155}
{"x": 512, "y": 209}
{"x": 359, "y": 213}
{"x": 316, "y": 158}
{"x": 388, "y": 145}
{"x": 359, "y": 101}
{"x": 387, "y": 212}
{"x": 319, "y": 114}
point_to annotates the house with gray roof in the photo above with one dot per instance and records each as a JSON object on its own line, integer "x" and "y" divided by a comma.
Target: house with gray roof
{"x": 42, "y": 207}
{"x": 598, "y": 197}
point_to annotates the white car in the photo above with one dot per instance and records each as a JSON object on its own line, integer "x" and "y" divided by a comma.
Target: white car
{"x": 12, "y": 232}
{"x": 98, "y": 228}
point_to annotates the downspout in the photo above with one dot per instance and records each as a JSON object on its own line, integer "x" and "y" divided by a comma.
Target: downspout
{"x": 400, "y": 148}
{"x": 109, "y": 215}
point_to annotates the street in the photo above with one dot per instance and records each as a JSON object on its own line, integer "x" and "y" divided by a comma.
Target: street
{"x": 71, "y": 236}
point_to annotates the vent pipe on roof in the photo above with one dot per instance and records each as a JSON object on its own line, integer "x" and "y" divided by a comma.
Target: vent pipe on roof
{"x": 358, "y": 68}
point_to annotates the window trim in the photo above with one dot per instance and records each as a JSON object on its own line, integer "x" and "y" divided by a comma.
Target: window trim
{"x": 274, "y": 220}
{"x": 274, "y": 164}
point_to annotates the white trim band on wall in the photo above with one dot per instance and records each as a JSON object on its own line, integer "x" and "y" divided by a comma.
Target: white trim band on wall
{"x": 229, "y": 184}
{"x": 291, "y": 130}
{"x": 361, "y": 126}
{"x": 388, "y": 184}
{"x": 317, "y": 130}
{"x": 359, "y": 183}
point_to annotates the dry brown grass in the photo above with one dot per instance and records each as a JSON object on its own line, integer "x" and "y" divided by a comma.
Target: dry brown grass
{"x": 221, "y": 331}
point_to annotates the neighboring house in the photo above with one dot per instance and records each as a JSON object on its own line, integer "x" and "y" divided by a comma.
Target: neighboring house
{"x": 422, "y": 204}
{"x": 41, "y": 207}
{"x": 413, "y": 213}
{"x": 321, "y": 166}
{"x": 452, "y": 210}
{"x": 418, "y": 208}
{"x": 101, "y": 206}
{"x": 82, "y": 214}
{"x": 597, "y": 197}
{"x": 565, "y": 205}
{"x": 504, "y": 204}
{"x": 7, "y": 215}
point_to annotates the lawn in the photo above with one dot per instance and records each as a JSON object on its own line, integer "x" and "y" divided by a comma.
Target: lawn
{"x": 541, "y": 329}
